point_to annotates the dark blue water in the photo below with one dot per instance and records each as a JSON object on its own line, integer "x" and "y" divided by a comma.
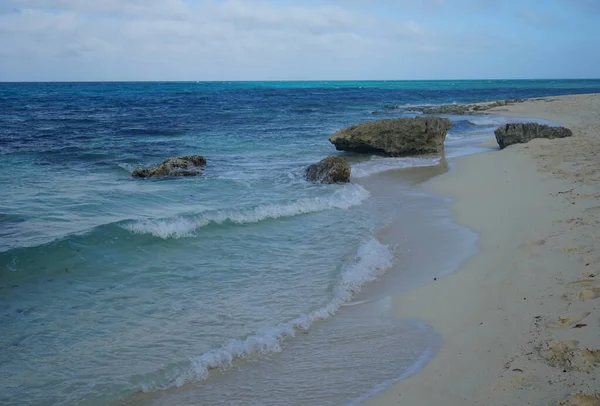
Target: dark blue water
{"x": 111, "y": 286}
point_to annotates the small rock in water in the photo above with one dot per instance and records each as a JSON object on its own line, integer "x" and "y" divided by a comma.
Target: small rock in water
{"x": 178, "y": 166}
{"x": 333, "y": 169}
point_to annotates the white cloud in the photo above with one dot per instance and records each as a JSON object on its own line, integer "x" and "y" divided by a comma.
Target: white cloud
{"x": 243, "y": 39}
{"x": 210, "y": 39}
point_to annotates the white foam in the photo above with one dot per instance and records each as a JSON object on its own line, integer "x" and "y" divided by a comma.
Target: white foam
{"x": 488, "y": 121}
{"x": 127, "y": 167}
{"x": 452, "y": 137}
{"x": 379, "y": 164}
{"x": 181, "y": 227}
{"x": 371, "y": 261}
{"x": 470, "y": 136}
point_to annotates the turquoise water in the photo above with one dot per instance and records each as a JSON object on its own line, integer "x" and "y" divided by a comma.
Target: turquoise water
{"x": 112, "y": 286}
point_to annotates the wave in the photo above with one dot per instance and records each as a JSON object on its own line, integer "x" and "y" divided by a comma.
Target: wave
{"x": 379, "y": 164}
{"x": 472, "y": 135}
{"x": 487, "y": 121}
{"x": 371, "y": 261}
{"x": 185, "y": 226}
{"x": 127, "y": 167}
{"x": 176, "y": 227}
{"x": 452, "y": 137}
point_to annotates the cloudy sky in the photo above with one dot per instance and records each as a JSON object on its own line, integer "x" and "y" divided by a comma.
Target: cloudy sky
{"x": 298, "y": 39}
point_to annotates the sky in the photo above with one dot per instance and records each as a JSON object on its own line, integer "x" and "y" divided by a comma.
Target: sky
{"x": 111, "y": 40}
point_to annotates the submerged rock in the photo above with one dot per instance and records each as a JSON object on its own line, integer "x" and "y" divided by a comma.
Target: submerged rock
{"x": 333, "y": 169}
{"x": 519, "y": 133}
{"x": 178, "y": 166}
{"x": 394, "y": 137}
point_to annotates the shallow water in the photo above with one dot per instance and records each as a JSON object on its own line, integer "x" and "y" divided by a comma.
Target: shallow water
{"x": 112, "y": 287}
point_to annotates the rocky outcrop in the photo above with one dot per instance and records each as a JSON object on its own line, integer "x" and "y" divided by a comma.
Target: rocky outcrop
{"x": 333, "y": 169}
{"x": 519, "y": 133}
{"x": 178, "y": 166}
{"x": 394, "y": 137}
{"x": 459, "y": 109}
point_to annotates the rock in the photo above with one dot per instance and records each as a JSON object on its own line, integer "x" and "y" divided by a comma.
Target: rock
{"x": 178, "y": 166}
{"x": 333, "y": 169}
{"x": 140, "y": 172}
{"x": 449, "y": 109}
{"x": 394, "y": 137}
{"x": 459, "y": 109}
{"x": 516, "y": 133}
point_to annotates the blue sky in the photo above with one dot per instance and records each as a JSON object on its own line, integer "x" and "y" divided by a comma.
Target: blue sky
{"x": 298, "y": 40}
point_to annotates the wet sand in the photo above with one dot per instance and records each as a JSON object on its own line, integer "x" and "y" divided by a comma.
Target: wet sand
{"x": 520, "y": 321}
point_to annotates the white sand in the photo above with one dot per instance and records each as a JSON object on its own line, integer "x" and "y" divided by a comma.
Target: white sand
{"x": 508, "y": 316}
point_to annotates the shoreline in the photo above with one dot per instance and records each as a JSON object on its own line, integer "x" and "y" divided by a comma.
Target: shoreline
{"x": 366, "y": 318}
{"x": 507, "y": 316}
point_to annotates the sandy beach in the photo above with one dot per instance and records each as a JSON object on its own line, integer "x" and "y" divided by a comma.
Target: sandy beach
{"x": 521, "y": 319}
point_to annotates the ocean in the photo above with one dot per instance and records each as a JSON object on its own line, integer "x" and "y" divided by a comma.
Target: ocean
{"x": 246, "y": 285}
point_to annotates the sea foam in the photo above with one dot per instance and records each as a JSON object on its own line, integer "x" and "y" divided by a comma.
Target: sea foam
{"x": 487, "y": 121}
{"x": 379, "y": 164}
{"x": 185, "y": 226}
{"x": 371, "y": 261}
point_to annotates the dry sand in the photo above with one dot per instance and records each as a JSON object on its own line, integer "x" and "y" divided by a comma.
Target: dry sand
{"x": 520, "y": 320}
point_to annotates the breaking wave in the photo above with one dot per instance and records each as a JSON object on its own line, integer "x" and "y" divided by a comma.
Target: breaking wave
{"x": 185, "y": 226}
{"x": 379, "y": 164}
{"x": 487, "y": 121}
{"x": 371, "y": 261}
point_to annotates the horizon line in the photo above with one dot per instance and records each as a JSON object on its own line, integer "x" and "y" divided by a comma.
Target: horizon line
{"x": 289, "y": 80}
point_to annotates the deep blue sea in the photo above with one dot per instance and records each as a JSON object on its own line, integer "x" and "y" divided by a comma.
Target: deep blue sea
{"x": 114, "y": 289}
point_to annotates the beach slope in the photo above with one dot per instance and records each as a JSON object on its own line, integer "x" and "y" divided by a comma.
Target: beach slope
{"x": 520, "y": 320}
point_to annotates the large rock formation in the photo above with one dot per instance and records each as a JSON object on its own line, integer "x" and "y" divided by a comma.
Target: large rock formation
{"x": 178, "y": 166}
{"x": 394, "y": 137}
{"x": 333, "y": 169}
{"x": 515, "y": 133}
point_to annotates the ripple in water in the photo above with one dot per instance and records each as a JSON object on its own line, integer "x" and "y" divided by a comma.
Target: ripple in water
{"x": 357, "y": 354}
